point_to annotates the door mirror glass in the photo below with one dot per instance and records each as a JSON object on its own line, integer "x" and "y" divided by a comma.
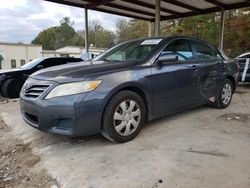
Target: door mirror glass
{"x": 169, "y": 57}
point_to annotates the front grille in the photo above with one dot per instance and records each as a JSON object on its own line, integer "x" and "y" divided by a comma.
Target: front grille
{"x": 34, "y": 88}
{"x": 35, "y": 91}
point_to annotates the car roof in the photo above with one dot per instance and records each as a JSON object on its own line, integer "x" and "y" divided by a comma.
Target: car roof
{"x": 58, "y": 57}
{"x": 170, "y": 38}
{"x": 246, "y": 53}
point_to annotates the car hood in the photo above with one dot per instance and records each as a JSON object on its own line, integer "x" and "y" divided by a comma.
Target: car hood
{"x": 78, "y": 71}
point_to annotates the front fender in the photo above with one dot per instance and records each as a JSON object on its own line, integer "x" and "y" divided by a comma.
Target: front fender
{"x": 2, "y": 79}
{"x": 147, "y": 92}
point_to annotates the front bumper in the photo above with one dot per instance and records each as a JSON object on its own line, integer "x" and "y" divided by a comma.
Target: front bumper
{"x": 75, "y": 115}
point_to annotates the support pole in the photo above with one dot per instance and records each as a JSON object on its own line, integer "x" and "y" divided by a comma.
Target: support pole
{"x": 222, "y": 25}
{"x": 149, "y": 29}
{"x": 157, "y": 17}
{"x": 86, "y": 30}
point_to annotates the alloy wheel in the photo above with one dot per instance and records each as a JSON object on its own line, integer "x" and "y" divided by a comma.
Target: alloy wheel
{"x": 226, "y": 93}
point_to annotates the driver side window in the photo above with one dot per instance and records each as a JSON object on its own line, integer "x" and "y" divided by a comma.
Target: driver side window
{"x": 181, "y": 48}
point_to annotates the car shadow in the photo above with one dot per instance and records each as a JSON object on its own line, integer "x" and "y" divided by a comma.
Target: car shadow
{"x": 100, "y": 140}
{"x": 244, "y": 84}
{"x": 160, "y": 120}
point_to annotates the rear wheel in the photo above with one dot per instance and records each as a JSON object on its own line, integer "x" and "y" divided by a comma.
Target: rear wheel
{"x": 225, "y": 96}
{"x": 123, "y": 117}
{"x": 11, "y": 88}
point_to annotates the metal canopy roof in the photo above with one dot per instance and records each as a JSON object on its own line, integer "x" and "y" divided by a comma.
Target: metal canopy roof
{"x": 145, "y": 9}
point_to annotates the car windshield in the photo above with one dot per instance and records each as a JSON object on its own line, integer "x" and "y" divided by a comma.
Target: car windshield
{"x": 32, "y": 64}
{"x": 131, "y": 51}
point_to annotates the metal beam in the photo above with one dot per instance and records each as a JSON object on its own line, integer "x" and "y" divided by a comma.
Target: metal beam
{"x": 174, "y": 14}
{"x": 217, "y": 3}
{"x": 121, "y": 14}
{"x": 206, "y": 11}
{"x": 93, "y": 4}
{"x": 131, "y": 9}
{"x": 149, "y": 29}
{"x": 148, "y": 5}
{"x": 183, "y": 5}
{"x": 222, "y": 25}
{"x": 86, "y": 30}
{"x": 157, "y": 17}
{"x": 67, "y": 3}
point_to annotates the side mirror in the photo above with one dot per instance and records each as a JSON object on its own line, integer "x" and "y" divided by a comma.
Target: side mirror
{"x": 169, "y": 57}
{"x": 39, "y": 67}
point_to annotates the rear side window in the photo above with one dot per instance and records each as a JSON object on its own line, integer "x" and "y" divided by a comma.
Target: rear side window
{"x": 181, "y": 48}
{"x": 204, "y": 52}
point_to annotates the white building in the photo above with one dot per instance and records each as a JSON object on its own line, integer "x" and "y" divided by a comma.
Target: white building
{"x": 71, "y": 51}
{"x": 13, "y": 55}
{"x": 16, "y": 55}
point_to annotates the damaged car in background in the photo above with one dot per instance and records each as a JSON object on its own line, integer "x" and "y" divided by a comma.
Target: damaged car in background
{"x": 132, "y": 83}
{"x": 244, "y": 63}
{"x": 11, "y": 81}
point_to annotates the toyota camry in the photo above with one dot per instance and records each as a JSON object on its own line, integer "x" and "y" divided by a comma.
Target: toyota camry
{"x": 128, "y": 85}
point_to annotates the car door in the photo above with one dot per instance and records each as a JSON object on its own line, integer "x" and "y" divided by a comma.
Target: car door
{"x": 211, "y": 64}
{"x": 175, "y": 83}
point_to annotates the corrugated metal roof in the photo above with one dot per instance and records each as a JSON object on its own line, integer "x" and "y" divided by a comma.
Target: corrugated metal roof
{"x": 145, "y": 9}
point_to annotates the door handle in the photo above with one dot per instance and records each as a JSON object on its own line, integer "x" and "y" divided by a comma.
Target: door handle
{"x": 194, "y": 68}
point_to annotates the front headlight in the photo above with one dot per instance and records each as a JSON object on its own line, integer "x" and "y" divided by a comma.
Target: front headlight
{"x": 73, "y": 88}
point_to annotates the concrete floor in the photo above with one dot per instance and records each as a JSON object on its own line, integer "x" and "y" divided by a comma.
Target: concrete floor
{"x": 203, "y": 147}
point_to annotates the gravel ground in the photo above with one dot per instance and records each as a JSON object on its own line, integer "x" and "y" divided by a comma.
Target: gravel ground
{"x": 17, "y": 163}
{"x": 202, "y": 147}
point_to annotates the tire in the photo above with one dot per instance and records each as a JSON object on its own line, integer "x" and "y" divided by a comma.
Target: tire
{"x": 225, "y": 95}
{"x": 11, "y": 88}
{"x": 123, "y": 117}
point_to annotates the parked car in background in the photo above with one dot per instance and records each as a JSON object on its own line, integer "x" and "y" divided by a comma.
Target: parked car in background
{"x": 86, "y": 56}
{"x": 137, "y": 81}
{"x": 11, "y": 81}
{"x": 244, "y": 63}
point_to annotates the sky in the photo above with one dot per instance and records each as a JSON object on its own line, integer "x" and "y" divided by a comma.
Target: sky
{"x": 22, "y": 20}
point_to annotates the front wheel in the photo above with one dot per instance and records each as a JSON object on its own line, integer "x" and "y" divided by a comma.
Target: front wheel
{"x": 123, "y": 117}
{"x": 225, "y": 95}
{"x": 11, "y": 88}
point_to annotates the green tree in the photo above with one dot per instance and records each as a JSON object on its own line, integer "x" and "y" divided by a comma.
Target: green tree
{"x": 99, "y": 36}
{"x": 237, "y": 32}
{"x": 207, "y": 27}
{"x": 46, "y": 38}
{"x": 64, "y": 33}
{"x": 130, "y": 29}
{"x": 59, "y": 36}
{"x": 203, "y": 27}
